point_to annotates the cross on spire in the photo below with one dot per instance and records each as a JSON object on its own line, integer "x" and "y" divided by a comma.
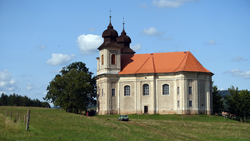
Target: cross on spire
{"x": 123, "y": 23}
{"x": 110, "y": 16}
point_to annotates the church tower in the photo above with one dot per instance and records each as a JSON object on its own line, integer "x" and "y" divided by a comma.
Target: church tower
{"x": 109, "y": 61}
{"x": 108, "y": 67}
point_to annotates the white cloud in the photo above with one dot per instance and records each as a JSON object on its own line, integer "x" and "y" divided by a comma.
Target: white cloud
{"x": 59, "y": 59}
{"x": 7, "y": 84}
{"x": 42, "y": 47}
{"x": 238, "y": 72}
{"x": 30, "y": 87}
{"x": 152, "y": 32}
{"x": 91, "y": 29}
{"x": 11, "y": 88}
{"x": 211, "y": 42}
{"x": 170, "y": 3}
{"x": 45, "y": 93}
{"x": 239, "y": 59}
{"x": 89, "y": 43}
{"x": 136, "y": 47}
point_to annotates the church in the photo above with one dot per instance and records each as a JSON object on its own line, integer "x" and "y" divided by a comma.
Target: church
{"x": 153, "y": 83}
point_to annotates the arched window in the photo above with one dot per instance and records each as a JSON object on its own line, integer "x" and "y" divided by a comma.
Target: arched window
{"x": 102, "y": 60}
{"x": 145, "y": 89}
{"x": 127, "y": 90}
{"x": 112, "y": 59}
{"x": 165, "y": 89}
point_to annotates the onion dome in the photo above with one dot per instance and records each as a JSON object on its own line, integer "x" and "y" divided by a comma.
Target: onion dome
{"x": 109, "y": 36}
{"x": 124, "y": 41}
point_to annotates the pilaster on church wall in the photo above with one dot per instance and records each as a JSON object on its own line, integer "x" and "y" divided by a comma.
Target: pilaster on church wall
{"x": 208, "y": 94}
{"x": 98, "y": 65}
{"x": 181, "y": 92}
{"x": 211, "y": 96}
{"x": 100, "y": 97}
{"x": 106, "y": 58}
{"x": 97, "y": 95}
{"x": 153, "y": 95}
{"x": 157, "y": 92}
{"x": 174, "y": 92}
{"x": 185, "y": 95}
{"x": 106, "y": 94}
{"x": 138, "y": 96}
{"x": 195, "y": 106}
{"x": 119, "y": 60}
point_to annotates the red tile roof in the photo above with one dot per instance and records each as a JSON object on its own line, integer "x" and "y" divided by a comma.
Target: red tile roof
{"x": 160, "y": 63}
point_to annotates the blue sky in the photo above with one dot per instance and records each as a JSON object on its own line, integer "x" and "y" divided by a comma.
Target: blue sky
{"x": 39, "y": 37}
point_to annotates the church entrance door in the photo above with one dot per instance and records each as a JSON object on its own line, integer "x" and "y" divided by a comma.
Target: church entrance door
{"x": 145, "y": 109}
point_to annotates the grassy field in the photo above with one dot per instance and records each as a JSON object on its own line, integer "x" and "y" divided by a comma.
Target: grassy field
{"x": 53, "y": 124}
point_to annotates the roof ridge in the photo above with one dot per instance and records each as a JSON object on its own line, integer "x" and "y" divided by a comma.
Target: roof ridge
{"x": 153, "y": 63}
{"x": 142, "y": 65}
{"x": 193, "y": 64}
{"x": 182, "y": 62}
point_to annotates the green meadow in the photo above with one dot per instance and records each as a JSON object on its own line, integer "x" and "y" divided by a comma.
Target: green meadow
{"x": 55, "y": 124}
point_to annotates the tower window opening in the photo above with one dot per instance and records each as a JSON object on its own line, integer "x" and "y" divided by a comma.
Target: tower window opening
{"x": 113, "y": 59}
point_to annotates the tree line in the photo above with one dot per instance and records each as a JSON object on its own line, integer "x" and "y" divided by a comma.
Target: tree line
{"x": 18, "y": 100}
{"x": 237, "y": 104}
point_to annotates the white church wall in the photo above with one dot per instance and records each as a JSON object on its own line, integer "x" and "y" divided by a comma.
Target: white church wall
{"x": 156, "y": 101}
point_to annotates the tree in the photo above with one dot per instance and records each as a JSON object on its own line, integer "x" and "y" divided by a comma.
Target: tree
{"x": 245, "y": 96}
{"x": 4, "y": 100}
{"x": 239, "y": 103}
{"x": 217, "y": 100}
{"x": 73, "y": 89}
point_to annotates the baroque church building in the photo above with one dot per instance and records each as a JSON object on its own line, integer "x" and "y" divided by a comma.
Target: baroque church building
{"x": 154, "y": 83}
